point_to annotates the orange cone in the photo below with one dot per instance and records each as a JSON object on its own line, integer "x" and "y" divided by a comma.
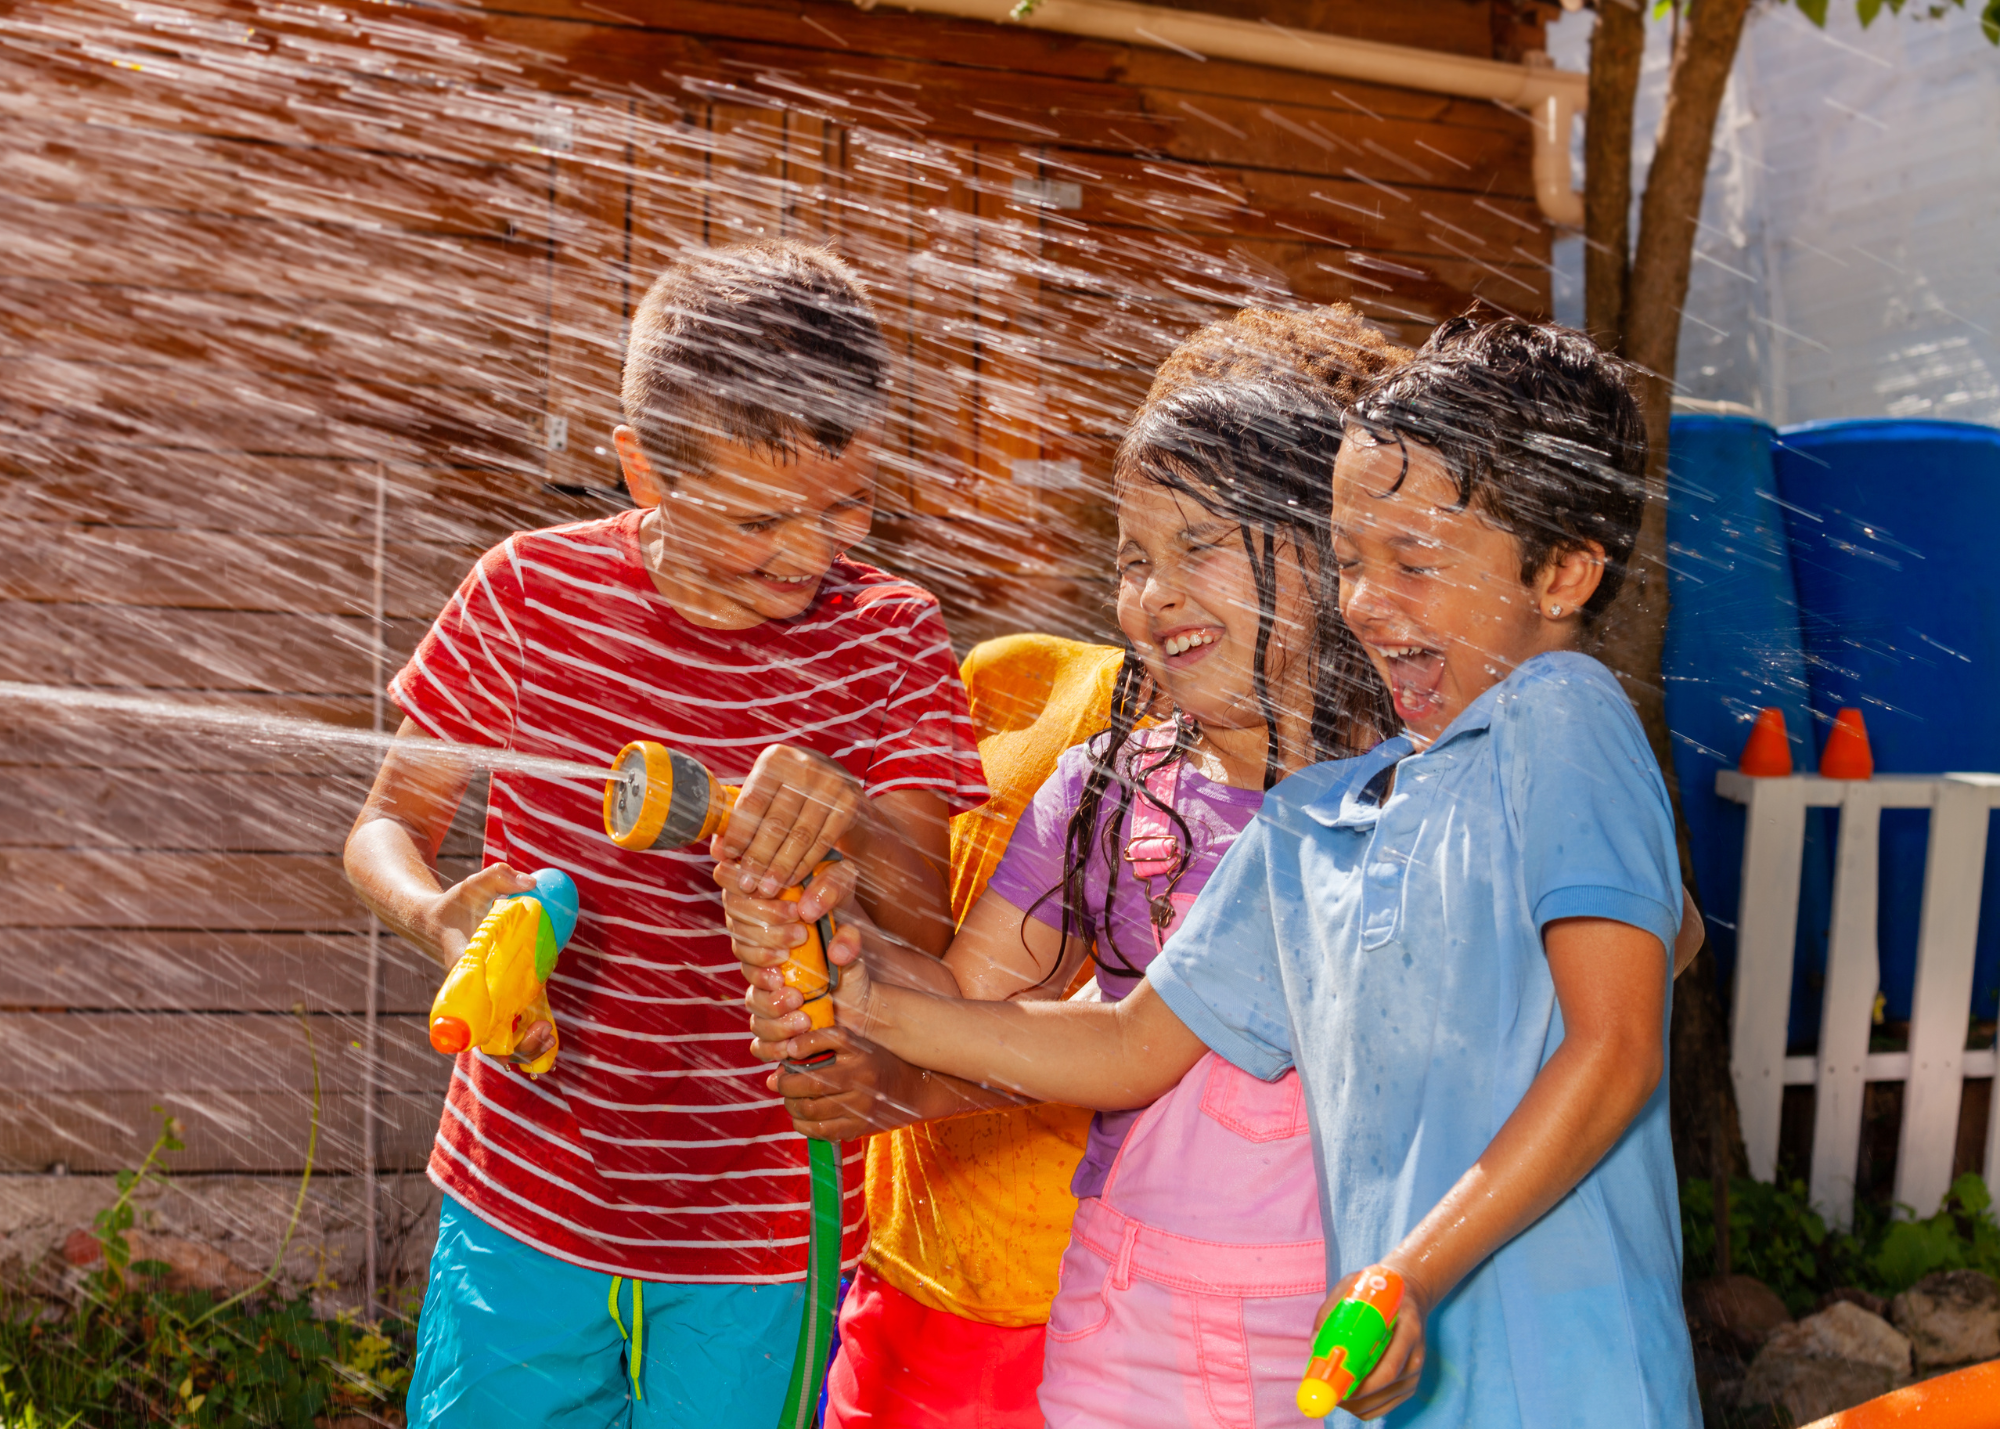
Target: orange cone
{"x": 1768, "y": 755}
{"x": 1847, "y": 755}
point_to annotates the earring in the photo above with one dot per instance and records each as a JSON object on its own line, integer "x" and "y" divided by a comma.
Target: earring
{"x": 1555, "y": 612}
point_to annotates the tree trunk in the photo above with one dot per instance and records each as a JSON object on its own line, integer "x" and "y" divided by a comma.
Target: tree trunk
{"x": 1634, "y": 633}
{"x": 1617, "y": 45}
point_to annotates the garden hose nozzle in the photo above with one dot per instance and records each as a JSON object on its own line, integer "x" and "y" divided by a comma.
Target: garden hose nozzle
{"x": 659, "y": 798}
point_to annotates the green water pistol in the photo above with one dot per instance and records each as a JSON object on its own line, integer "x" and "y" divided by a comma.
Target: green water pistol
{"x": 1351, "y": 1340}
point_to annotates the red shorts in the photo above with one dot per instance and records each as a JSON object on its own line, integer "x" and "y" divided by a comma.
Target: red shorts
{"x": 903, "y": 1365}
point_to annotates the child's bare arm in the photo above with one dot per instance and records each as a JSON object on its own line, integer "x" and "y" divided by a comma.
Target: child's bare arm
{"x": 1611, "y": 985}
{"x": 1108, "y": 1056}
{"x": 797, "y": 806}
{"x": 391, "y": 856}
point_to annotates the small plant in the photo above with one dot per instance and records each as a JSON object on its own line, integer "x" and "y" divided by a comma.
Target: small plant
{"x": 132, "y": 1353}
{"x": 1962, "y": 1236}
{"x": 1777, "y": 1237}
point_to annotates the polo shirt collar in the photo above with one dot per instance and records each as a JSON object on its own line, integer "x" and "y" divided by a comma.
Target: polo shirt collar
{"x": 1344, "y": 808}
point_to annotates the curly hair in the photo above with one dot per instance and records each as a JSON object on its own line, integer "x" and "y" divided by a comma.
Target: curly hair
{"x": 1330, "y": 347}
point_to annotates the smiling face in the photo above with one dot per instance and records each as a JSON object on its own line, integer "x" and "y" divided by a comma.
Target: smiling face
{"x": 1187, "y": 600}
{"x": 1434, "y": 592}
{"x": 750, "y": 539}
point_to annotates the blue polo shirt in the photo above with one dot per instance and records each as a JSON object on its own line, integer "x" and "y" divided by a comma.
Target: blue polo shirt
{"x": 1392, "y": 951}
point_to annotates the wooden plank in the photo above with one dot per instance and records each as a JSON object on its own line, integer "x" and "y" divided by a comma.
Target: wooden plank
{"x": 183, "y": 404}
{"x": 1007, "y": 328}
{"x": 589, "y": 304}
{"x": 1853, "y": 975}
{"x": 313, "y": 262}
{"x": 63, "y": 161}
{"x": 271, "y": 333}
{"x": 209, "y": 570}
{"x": 1121, "y": 192}
{"x": 1954, "y": 871}
{"x": 872, "y": 229}
{"x": 144, "y": 970}
{"x": 944, "y": 280}
{"x": 240, "y": 1132}
{"x": 215, "y": 1052}
{"x": 195, "y": 649}
{"x": 1232, "y": 272}
{"x": 122, "y": 889}
{"x": 33, "y": 733}
{"x": 242, "y": 493}
{"x": 1456, "y": 29}
{"x": 1767, "y": 923}
{"x": 68, "y": 807}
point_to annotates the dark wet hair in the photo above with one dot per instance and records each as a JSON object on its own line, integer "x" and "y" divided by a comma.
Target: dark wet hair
{"x": 1257, "y": 450}
{"x": 1539, "y": 429}
{"x": 765, "y": 345}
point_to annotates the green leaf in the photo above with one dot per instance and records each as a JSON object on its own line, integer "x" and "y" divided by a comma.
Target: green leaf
{"x": 1660, "y": 8}
{"x": 1814, "y": 10}
{"x": 1867, "y": 10}
{"x": 1989, "y": 22}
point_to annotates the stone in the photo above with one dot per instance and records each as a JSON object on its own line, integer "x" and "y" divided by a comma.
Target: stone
{"x": 1841, "y": 1357}
{"x": 1853, "y": 1295}
{"x": 1742, "y": 1308}
{"x": 1951, "y": 1317}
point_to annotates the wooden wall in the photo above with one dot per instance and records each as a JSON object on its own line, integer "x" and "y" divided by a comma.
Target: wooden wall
{"x": 277, "y": 274}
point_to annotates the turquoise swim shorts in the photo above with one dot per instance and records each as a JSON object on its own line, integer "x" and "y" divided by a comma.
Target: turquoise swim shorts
{"x": 510, "y": 1335}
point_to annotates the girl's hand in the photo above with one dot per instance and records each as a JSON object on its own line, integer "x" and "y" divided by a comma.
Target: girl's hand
{"x": 1394, "y": 1379}
{"x": 449, "y": 922}
{"x": 862, "y": 1091}
{"x": 793, "y": 809}
{"x": 763, "y": 931}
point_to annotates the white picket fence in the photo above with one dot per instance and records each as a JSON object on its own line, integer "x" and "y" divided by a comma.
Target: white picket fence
{"x": 1934, "y": 1070}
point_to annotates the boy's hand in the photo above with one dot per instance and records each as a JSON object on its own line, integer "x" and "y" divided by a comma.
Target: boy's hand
{"x": 863, "y": 1090}
{"x": 793, "y": 809}
{"x": 780, "y": 1032}
{"x": 1394, "y": 1379}
{"x": 763, "y": 931}
{"x": 448, "y": 924}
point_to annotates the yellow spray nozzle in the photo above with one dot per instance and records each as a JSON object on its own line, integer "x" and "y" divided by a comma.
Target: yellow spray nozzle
{"x": 660, "y": 798}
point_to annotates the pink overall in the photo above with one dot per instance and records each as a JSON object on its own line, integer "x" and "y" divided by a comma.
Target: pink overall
{"x": 1189, "y": 1287}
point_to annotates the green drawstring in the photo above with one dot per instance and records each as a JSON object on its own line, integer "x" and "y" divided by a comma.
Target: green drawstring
{"x": 637, "y": 1338}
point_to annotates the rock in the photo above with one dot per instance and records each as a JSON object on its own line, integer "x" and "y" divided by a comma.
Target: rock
{"x": 1741, "y": 1307}
{"x": 190, "y": 1265}
{"x": 1827, "y": 1362}
{"x": 1854, "y": 1295}
{"x": 1952, "y": 1317}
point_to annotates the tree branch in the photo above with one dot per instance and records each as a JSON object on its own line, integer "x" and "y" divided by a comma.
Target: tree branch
{"x": 1617, "y": 45}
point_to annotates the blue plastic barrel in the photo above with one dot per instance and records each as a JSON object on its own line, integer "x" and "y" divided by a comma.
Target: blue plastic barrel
{"x": 1733, "y": 648}
{"x": 1892, "y": 530}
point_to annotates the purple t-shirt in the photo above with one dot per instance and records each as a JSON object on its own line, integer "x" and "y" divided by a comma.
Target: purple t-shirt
{"x": 1033, "y": 866}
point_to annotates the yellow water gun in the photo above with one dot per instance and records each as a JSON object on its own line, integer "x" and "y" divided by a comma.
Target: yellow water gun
{"x": 498, "y": 987}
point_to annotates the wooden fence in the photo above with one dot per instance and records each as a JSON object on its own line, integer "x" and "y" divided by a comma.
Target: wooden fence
{"x": 305, "y": 306}
{"x": 1937, "y": 1063}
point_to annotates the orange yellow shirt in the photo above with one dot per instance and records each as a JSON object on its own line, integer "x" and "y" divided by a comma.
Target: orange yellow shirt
{"x": 970, "y": 1215}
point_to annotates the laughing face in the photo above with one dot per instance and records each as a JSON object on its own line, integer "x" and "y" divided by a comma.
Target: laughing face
{"x": 1187, "y": 601}
{"x": 1433, "y": 591}
{"x": 751, "y": 538}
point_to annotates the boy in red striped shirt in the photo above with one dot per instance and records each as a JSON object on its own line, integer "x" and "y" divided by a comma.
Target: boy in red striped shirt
{"x": 723, "y": 618}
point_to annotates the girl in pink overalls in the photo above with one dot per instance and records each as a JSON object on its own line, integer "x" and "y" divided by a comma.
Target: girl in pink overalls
{"x": 1195, "y": 1265}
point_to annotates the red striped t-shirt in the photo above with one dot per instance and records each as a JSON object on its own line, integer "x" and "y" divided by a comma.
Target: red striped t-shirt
{"x": 653, "y": 1149}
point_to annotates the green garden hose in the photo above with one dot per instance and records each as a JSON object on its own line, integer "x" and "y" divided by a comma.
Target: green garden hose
{"x": 801, "y": 1409}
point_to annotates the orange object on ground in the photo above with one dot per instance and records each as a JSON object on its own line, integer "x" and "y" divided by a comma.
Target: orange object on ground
{"x": 1847, "y": 755}
{"x": 1768, "y": 752}
{"x": 904, "y": 1365}
{"x": 1964, "y": 1399}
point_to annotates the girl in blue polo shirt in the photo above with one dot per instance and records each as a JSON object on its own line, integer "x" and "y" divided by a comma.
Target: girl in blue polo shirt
{"x": 1460, "y": 939}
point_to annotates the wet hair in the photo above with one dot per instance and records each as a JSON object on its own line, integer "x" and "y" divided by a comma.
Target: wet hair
{"x": 1537, "y": 427}
{"x": 1244, "y": 419}
{"x": 766, "y": 345}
